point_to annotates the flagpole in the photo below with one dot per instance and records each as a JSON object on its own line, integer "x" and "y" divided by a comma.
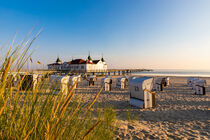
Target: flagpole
{"x": 27, "y": 62}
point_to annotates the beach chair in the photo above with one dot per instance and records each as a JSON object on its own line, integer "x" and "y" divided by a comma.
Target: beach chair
{"x": 194, "y": 83}
{"x": 159, "y": 84}
{"x": 29, "y": 81}
{"x": 141, "y": 94}
{"x": 122, "y": 82}
{"x": 60, "y": 83}
{"x": 190, "y": 81}
{"x": 108, "y": 83}
{"x": 200, "y": 87}
{"x": 91, "y": 80}
{"x": 79, "y": 78}
{"x": 73, "y": 81}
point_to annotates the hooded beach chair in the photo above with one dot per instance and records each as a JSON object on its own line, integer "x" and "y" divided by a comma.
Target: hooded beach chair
{"x": 141, "y": 94}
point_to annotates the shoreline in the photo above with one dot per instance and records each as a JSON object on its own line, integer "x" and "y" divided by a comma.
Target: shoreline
{"x": 168, "y": 75}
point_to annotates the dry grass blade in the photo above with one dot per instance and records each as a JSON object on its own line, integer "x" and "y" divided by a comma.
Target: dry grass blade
{"x": 6, "y": 70}
{"x": 68, "y": 99}
{"x": 47, "y": 134}
{"x": 26, "y": 137}
{"x": 1, "y": 110}
{"x": 4, "y": 77}
{"x": 76, "y": 109}
{"x": 91, "y": 129}
{"x": 94, "y": 100}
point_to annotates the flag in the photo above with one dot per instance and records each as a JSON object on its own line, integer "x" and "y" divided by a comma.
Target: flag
{"x": 31, "y": 60}
{"x": 38, "y": 62}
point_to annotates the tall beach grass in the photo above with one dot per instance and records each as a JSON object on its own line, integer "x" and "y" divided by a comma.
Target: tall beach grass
{"x": 45, "y": 112}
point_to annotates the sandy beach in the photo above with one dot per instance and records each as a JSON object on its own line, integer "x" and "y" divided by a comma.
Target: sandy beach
{"x": 179, "y": 114}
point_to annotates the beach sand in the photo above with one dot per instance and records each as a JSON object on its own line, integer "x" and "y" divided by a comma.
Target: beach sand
{"x": 179, "y": 114}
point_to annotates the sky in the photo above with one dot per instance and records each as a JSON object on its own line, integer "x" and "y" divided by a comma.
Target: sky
{"x": 153, "y": 34}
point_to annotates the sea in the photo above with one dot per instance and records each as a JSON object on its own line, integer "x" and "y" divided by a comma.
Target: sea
{"x": 174, "y": 72}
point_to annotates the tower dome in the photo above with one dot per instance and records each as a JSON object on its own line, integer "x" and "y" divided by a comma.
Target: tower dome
{"x": 90, "y": 59}
{"x": 58, "y": 61}
{"x": 102, "y": 59}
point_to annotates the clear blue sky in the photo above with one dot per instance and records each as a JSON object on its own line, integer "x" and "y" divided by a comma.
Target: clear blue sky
{"x": 164, "y": 34}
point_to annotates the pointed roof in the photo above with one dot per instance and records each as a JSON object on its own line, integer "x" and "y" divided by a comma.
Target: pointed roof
{"x": 89, "y": 58}
{"x": 58, "y": 60}
{"x": 81, "y": 61}
{"x": 102, "y": 59}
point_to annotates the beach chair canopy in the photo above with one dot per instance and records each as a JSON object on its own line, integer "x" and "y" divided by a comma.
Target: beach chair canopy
{"x": 108, "y": 80}
{"x": 121, "y": 79}
{"x": 59, "y": 79}
{"x": 131, "y": 78}
{"x": 160, "y": 81}
{"x": 194, "y": 81}
{"x": 138, "y": 85}
{"x": 191, "y": 79}
{"x": 200, "y": 83}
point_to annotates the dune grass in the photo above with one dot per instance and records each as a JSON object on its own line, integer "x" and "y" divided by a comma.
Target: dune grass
{"x": 45, "y": 112}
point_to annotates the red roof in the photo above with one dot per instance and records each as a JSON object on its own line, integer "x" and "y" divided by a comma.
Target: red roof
{"x": 81, "y": 61}
{"x": 76, "y": 61}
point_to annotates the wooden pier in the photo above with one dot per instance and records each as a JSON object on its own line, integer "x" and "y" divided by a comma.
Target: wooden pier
{"x": 94, "y": 72}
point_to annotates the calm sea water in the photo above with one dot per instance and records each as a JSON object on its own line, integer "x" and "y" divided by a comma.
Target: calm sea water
{"x": 192, "y": 73}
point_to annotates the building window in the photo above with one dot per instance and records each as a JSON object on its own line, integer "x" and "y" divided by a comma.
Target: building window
{"x": 82, "y": 67}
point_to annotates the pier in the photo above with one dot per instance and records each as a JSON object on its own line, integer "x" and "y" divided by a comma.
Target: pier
{"x": 93, "y": 72}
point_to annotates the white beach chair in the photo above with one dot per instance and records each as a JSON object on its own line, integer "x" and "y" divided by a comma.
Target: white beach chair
{"x": 140, "y": 92}
{"x": 158, "y": 84}
{"x": 194, "y": 83}
{"x": 73, "y": 81}
{"x": 190, "y": 81}
{"x": 79, "y": 78}
{"x": 107, "y": 82}
{"x": 122, "y": 82}
{"x": 200, "y": 87}
{"x": 60, "y": 82}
